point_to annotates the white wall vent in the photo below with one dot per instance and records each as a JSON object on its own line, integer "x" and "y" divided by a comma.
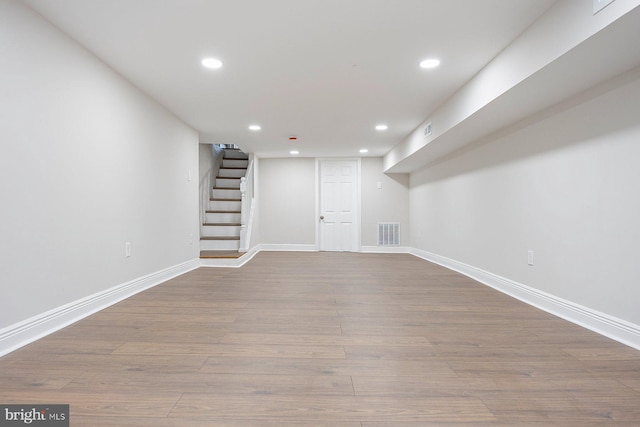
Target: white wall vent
{"x": 427, "y": 130}
{"x": 389, "y": 234}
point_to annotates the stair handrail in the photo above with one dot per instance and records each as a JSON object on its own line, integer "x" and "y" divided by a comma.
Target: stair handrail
{"x": 246, "y": 210}
{"x": 205, "y": 195}
{"x": 206, "y": 184}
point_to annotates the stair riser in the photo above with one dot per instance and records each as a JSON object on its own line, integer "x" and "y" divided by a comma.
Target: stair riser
{"x": 235, "y": 154}
{"x": 220, "y": 230}
{"x": 221, "y": 218}
{"x": 218, "y": 205}
{"x": 227, "y": 182}
{"x": 225, "y": 194}
{"x": 219, "y": 245}
{"x": 234, "y": 163}
{"x": 232, "y": 173}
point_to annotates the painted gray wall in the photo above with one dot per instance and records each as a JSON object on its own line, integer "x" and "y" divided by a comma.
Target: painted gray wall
{"x": 287, "y": 201}
{"x": 390, "y": 203}
{"x": 89, "y": 163}
{"x": 565, "y": 184}
{"x": 287, "y": 189}
{"x": 209, "y": 162}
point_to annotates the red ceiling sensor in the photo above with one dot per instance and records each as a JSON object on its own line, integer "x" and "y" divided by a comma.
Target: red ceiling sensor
{"x": 293, "y": 138}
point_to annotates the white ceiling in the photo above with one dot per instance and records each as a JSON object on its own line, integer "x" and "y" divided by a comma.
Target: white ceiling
{"x": 327, "y": 71}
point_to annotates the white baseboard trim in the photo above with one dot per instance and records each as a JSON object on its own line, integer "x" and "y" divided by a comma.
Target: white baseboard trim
{"x": 288, "y": 248}
{"x": 604, "y": 324}
{"x": 30, "y": 330}
{"x": 239, "y": 262}
{"x": 230, "y": 262}
{"x": 386, "y": 250}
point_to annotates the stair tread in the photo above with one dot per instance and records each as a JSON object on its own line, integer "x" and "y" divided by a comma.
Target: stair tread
{"x": 222, "y": 224}
{"x": 220, "y": 254}
{"x": 223, "y": 212}
{"x": 228, "y": 177}
{"x": 220, "y": 238}
{"x": 217, "y": 199}
{"x": 226, "y": 188}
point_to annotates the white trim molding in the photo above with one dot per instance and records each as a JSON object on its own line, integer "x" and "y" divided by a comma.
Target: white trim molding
{"x": 230, "y": 262}
{"x": 30, "y": 330}
{"x": 239, "y": 262}
{"x": 288, "y": 248}
{"x": 386, "y": 250}
{"x": 604, "y": 324}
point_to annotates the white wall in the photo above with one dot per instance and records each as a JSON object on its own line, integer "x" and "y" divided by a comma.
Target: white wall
{"x": 538, "y": 69}
{"x": 389, "y": 203}
{"x": 565, "y": 185}
{"x": 88, "y": 163}
{"x": 254, "y": 231}
{"x": 287, "y": 199}
{"x": 287, "y": 212}
{"x": 209, "y": 162}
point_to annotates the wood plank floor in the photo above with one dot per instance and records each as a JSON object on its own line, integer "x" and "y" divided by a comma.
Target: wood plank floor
{"x": 327, "y": 339}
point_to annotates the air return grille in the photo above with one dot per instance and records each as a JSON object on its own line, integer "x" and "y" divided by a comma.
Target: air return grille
{"x": 389, "y": 234}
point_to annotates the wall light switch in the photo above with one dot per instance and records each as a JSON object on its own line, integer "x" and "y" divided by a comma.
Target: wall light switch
{"x": 379, "y": 185}
{"x": 127, "y": 249}
{"x": 530, "y": 257}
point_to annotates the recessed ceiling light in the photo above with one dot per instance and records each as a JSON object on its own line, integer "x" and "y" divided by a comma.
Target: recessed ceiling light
{"x": 294, "y": 152}
{"x": 430, "y": 63}
{"x": 212, "y": 63}
{"x": 382, "y": 127}
{"x": 254, "y": 127}
{"x": 364, "y": 150}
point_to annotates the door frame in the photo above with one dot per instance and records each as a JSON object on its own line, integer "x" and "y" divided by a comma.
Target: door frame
{"x": 358, "y": 220}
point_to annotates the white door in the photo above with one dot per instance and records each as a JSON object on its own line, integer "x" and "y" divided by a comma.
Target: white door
{"x": 339, "y": 217}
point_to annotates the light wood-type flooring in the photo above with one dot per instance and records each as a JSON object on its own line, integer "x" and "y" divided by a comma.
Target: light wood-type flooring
{"x": 327, "y": 339}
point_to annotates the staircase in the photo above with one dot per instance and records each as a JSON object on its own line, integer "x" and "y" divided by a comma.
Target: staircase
{"x": 220, "y": 235}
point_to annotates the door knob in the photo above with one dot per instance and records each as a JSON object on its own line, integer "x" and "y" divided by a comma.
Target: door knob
{"x": 321, "y": 217}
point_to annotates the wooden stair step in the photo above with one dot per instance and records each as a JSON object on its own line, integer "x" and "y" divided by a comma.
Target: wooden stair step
{"x": 213, "y": 199}
{"x": 220, "y": 238}
{"x": 223, "y": 212}
{"x": 220, "y": 254}
{"x": 222, "y": 224}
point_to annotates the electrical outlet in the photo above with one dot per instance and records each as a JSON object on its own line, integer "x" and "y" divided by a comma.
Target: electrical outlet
{"x": 530, "y": 257}
{"x": 127, "y": 249}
